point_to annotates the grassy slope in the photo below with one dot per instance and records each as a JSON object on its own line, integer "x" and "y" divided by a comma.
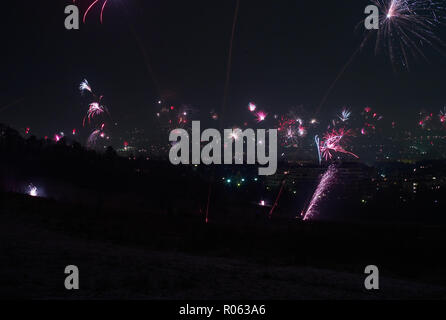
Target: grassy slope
{"x": 145, "y": 256}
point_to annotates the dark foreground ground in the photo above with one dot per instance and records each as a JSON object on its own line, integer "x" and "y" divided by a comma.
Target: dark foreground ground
{"x": 145, "y": 256}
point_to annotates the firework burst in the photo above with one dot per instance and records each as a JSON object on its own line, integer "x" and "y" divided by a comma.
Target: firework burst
{"x": 345, "y": 115}
{"x": 94, "y": 109}
{"x": 289, "y": 131}
{"x": 407, "y": 26}
{"x": 371, "y": 121}
{"x": 292, "y": 127}
{"x": 332, "y": 143}
{"x": 261, "y": 116}
{"x": 85, "y": 86}
{"x": 442, "y": 116}
{"x": 426, "y": 120}
{"x": 95, "y": 136}
{"x": 172, "y": 117}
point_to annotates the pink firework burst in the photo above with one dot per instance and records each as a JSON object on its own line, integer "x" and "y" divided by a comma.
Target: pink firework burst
{"x": 291, "y": 128}
{"x": 261, "y": 116}
{"x": 332, "y": 143}
{"x": 442, "y": 116}
{"x": 425, "y": 120}
{"x": 94, "y": 110}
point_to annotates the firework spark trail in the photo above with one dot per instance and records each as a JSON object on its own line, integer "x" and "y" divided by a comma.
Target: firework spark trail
{"x": 318, "y": 146}
{"x": 277, "y": 199}
{"x": 332, "y": 143}
{"x": 91, "y": 6}
{"x": 95, "y": 135}
{"x": 88, "y": 9}
{"x": 92, "y": 139}
{"x": 102, "y": 10}
{"x": 228, "y": 68}
{"x": 333, "y": 84}
{"x": 145, "y": 54}
{"x": 321, "y": 191}
{"x": 11, "y": 104}
{"x": 225, "y": 94}
{"x": 404, "y": 27}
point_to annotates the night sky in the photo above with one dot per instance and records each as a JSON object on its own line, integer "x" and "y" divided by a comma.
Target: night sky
{"x": 286, "y": 53}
